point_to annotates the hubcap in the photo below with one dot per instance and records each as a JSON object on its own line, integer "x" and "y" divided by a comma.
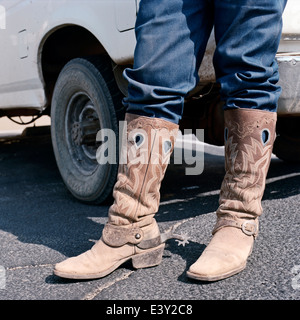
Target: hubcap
{"x": 81, "y": 126}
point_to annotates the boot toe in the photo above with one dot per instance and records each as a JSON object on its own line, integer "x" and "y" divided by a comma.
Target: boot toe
{"x": 71, "y": 268}
{"x": 213, "y": 266}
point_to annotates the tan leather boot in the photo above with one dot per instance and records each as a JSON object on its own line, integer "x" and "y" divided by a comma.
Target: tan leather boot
{"x": 249, "y": 138}
{"x": 131, "y": 232}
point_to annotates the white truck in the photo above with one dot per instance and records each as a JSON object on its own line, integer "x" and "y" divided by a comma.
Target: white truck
{"x": 65, "y": 59}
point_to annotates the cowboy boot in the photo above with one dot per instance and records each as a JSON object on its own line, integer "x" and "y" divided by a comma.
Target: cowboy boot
{"x": 249, "y": 138}
{"x": 131, "y": 232}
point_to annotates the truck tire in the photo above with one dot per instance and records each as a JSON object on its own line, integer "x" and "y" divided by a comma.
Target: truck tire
{"x": 287, "y": 143}
{"x": 85, "y": 99}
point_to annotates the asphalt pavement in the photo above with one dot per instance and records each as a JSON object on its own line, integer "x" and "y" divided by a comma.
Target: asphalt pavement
{"x": 42, "y": 224}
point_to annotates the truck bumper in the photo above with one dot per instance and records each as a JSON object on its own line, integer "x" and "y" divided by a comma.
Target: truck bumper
{"x": 289, "y": 70}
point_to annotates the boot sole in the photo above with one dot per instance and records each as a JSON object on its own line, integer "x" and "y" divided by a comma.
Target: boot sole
{"x": 222, "y": 276}
{"x": 151, "y": 258}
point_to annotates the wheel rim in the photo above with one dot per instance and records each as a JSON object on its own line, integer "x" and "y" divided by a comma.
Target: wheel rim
{"x": 82, "y": 122}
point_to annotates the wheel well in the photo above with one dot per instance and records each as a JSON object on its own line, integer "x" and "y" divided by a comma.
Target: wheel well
{"x": 63, "y": 45}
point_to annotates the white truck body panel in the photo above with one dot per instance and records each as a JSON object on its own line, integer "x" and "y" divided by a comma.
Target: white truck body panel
{"x": 27, "y": 24}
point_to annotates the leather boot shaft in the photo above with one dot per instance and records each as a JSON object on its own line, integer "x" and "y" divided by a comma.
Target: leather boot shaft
{"x": 147, "y": 146}
{"x": 249, "y": 138}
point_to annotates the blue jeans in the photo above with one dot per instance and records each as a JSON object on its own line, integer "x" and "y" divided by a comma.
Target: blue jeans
{"x": 171, "y": 41}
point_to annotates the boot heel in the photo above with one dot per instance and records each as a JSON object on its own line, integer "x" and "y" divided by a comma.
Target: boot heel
{"x": 150, "y": 258}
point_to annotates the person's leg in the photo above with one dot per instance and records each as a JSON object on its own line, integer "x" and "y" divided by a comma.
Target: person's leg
{"x": 171, "y": 41}
{"x": 165, "y": 70}
{"x": 247, "y": 34}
